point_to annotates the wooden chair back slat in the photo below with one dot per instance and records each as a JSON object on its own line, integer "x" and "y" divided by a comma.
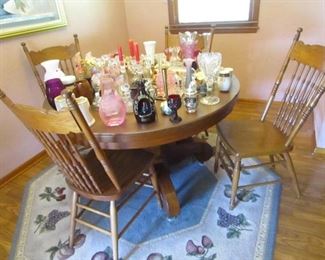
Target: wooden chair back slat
{"x": 76, "y": 165}
{"x": 92, "y": 140}
{"x": 290, "y": 98}
{"x": 313, "y": 55}
{"x": 48, "y": 120}
{"x": 54, "y": 129}
{"x": 300, "y": 101}
{"x": 302, "y": 76}
{"x": 51, "y": 53}
{"x": 63, "y": 53}
{"x": 56, "y": 149}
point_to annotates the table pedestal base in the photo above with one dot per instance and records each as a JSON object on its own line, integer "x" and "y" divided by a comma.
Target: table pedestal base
{"x": 173, "y": 153}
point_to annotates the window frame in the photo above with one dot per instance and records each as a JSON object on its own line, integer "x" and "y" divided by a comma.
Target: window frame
{"x": 250, "y": 26}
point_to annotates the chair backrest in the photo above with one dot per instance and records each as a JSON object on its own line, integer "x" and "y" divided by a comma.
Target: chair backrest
{"x": 56, "y": 131}
{"x": 63, "y": 53}
{"x": 303, "y": 77}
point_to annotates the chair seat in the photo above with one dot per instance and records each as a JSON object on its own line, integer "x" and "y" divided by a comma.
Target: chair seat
{"x": 252, "y": 138}
{"x": 128, "y": 166}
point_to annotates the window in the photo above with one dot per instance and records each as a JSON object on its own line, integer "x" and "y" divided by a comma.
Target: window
{"x": 223, "y": 15}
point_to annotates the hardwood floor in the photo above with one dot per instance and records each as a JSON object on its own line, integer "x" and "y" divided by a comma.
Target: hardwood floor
{"x": 301, "y": 228}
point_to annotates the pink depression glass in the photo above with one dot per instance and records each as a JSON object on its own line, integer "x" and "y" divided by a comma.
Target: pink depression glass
{"x": 112, "y": 110}
{"x": 188, "y": 43}
{"x": 188, "y": 50}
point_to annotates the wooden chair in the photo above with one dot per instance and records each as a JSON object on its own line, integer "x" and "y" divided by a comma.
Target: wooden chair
{"x": 172, "y": 40}
{"x": 303, "y": 79}
{"x": 64, "y": 53}
{"x": 96, "y": 175}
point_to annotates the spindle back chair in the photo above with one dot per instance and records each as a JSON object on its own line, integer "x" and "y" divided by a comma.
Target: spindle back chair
{"x": 301, "y": 82}
{"x": 93, "y": 174}
{"x": 63, "y": 53}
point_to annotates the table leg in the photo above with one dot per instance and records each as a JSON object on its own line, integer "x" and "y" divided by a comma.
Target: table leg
{"x": 167, "y": 192}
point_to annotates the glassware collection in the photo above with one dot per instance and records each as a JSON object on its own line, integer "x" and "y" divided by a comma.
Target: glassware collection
{"x": 117, "y": 84}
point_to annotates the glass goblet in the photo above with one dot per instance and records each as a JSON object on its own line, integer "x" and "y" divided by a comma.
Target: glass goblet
{"x": 209, "y": 63}
{"x": 174, "y": 102}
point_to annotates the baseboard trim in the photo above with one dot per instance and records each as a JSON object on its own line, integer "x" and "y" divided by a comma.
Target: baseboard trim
{"x": 253, "y": 100}
{"x": 319, "y": 152}
{"x": 20, "y": 169}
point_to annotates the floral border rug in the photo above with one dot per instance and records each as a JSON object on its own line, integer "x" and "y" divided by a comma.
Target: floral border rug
{"x": 205, "y": 229}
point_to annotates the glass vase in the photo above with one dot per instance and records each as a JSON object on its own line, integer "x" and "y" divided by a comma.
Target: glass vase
{"x": 53, "y": 88}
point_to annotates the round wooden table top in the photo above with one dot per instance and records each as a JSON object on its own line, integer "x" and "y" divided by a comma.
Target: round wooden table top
{"x": 132, "y": 135}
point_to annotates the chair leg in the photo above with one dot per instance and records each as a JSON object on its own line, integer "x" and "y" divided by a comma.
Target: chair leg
{"x": 154, "y": 181}
{"x": 113, "y": 215}
{"x": 272, "y": 161}
{"x": 217, "y": 155}
{"x": 292, "y": 171}
{"x": 235, "y": 181}
{"x": 72, "y": 218}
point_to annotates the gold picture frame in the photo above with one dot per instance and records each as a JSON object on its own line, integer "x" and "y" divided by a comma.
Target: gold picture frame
{"x": 19, "y": 17}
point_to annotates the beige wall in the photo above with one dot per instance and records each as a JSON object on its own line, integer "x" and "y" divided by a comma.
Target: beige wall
{"x": 101, "y": 26}
{"x": 256, "y": 58}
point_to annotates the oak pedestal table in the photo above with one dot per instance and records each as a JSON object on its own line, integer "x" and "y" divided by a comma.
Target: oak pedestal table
{"x": 132, "y": 135}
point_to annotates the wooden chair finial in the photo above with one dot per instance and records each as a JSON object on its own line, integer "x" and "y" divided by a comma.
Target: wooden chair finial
{"x": 2, "y": 94}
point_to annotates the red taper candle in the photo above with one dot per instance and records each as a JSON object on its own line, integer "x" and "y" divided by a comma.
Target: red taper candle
{"x": 136, "y": 52}
{"x": 131, "y": 48}
{"x": 120, "y": 54}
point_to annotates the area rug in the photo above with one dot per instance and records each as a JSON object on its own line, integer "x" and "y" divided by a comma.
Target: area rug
{"x": 205, "y": 228}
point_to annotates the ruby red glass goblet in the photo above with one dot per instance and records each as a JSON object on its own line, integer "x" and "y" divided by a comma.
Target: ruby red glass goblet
{"x": 174, "y": 102}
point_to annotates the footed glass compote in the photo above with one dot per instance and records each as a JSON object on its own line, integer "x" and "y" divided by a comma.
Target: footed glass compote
{"x": 174, "y": 102}
{"x": 209, "y": 63}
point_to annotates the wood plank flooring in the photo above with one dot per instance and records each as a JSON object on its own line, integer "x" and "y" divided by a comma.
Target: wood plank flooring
{"x": 301, "y": 228}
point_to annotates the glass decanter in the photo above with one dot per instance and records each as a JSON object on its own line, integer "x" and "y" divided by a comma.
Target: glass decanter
{"x": 112, "y": 110}
{"x": 143, "y": 104}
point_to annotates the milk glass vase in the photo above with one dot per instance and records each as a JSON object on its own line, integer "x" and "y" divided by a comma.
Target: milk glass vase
{"x": 112, "y": 110}
{"x": 52, "y": 69}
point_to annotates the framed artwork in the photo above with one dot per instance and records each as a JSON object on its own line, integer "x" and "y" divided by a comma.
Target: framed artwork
{"x": 26, "y": 16}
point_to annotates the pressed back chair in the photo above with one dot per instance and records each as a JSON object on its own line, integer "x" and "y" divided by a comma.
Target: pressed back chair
{"x": 63, "y": 53}
{"x": 95, "y": 175}
{"x": 302, "y": 77}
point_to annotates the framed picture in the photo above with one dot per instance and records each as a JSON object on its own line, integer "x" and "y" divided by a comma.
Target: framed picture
{"x": 26, "y": 16}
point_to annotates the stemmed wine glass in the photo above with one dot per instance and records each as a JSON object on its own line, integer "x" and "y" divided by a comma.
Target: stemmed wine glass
{"x": 174, "y": 102}
{"x": 210, "y": 63}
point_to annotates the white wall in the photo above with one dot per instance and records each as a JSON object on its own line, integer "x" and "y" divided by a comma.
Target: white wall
{"x": 319, "y": 116}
